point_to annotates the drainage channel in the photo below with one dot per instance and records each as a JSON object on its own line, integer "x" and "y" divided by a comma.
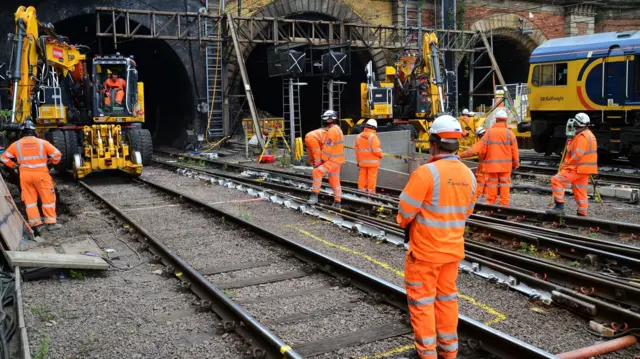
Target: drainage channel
{"x": 587, "y": 293}
{"x": 381, "y": 307}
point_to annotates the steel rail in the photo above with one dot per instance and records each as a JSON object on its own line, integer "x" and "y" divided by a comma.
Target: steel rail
{"x": 601, "y": 178}
{"x": 492, "y": 341}
{"x": 261, "y": 338}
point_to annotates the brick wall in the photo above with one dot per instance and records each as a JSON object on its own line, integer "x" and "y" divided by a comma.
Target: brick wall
{"x": 608, "y": 25}
{"x": 552, "y": 25}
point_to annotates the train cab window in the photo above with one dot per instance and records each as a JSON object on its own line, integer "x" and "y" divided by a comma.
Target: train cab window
{"x": 561, "y": 74}
{"x": 535, "y": 77}
{"x": 547, "y": 75}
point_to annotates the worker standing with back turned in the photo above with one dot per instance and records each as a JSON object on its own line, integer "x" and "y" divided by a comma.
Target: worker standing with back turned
{"x": 368, "y": 157}
{"x": 32, "y": 155}
{"x": 433, "y": 209}
{"x": 475, "y": 151}
{"x": 578, "y": 164}
{"x": 499, "y": 147}
{"x": 314, "y": 141}
{"x": 332, "y": 158}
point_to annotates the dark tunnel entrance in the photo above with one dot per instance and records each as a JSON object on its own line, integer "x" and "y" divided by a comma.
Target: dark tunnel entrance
{"x": 512, "y": 57}
{"x": 268, "y": 92}
{"x": 168, "y": 91}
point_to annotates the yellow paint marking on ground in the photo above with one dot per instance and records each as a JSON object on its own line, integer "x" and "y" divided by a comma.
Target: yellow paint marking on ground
{"x": 498, "y": 316}
{"x": 390, "y": 352}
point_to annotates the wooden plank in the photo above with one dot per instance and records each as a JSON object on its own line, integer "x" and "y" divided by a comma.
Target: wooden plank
{"x": 79, "y": 247}
{"x": 234, "y": 267}
{"x": 360, "y": 337}
{"x": 51, "y": 260}
{"x": 294, "y": 293}
{"x": 11, "y": 221}
{"x": 294, "y": 318}
{"x": 25, "y": 353}
{"x": 261, "y": 280}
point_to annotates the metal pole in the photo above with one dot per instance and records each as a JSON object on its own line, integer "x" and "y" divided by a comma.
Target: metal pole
{"x": 330, "y": 89}
{"x": 239, "y": 8}
{"x": 17, "y": 68}
{"x": 472, "y": 59}
{"x": 292, "y": 116}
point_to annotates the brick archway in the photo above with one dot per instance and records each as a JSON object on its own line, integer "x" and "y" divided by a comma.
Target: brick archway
{"x": 331, "y": 8}
{"x": 509, "y": 25}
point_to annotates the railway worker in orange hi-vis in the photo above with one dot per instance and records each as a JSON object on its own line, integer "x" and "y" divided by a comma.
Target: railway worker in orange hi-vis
{"x": 499, "y": 150}
{"x": 480, "y": 173}
{"x": 314, "y": 140}
{"x": 118, "y": 85}
{"x": 332, "y": 157}
{"x": 433, "y": 209}
{"x": 368, "y": 156}
{"x": 32, "y": 155}
{"x": 579, "y": 163}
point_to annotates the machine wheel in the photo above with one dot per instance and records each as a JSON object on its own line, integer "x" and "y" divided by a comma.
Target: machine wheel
{"x": 140, "y": 140}
{"x": 414, "y": 132}
{"x": 71, "y": 142}
{"x": 634, "y": 156}
{"x": 57, "y": 139}
{"x": 356, "y": 129}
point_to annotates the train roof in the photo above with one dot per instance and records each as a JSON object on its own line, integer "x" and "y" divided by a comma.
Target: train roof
{"x": 582, "y": 47}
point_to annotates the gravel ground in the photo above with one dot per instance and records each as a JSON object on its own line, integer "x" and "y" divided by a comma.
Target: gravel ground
{"x": 216, "y": 243}
{"x": 116, "y": 314}
{"x": 551, "y": 329}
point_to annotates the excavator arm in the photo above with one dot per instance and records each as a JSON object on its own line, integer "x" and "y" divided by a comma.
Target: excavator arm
{"x": 431, "y": 64}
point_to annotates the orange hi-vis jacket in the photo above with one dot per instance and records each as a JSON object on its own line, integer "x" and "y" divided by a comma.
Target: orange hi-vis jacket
{"x": 474, "y": 151}
{"x": 117, "y": 85}
{"x": 32, "y": 154}
{"x": 367, "y": 148}
{"x": 499, "y": 148}
{"x": 314, "y": 141}
{"x": 333, "y": 147}
{"x": 582, "y": 153}
{"x": 436, "y": 203}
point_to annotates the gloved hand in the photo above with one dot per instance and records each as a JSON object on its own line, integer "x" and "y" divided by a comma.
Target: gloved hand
{"x": 406, "y": 234}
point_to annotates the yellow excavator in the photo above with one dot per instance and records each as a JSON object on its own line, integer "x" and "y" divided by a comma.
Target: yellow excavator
{"x": 95, "y": 128}
{"x": 409, "y": 98}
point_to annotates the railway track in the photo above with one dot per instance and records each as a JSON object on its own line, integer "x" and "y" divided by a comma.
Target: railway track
{"x": 603, "y": 178}
{"x": 225, "y": 264}
{"x": 605, "y": 295}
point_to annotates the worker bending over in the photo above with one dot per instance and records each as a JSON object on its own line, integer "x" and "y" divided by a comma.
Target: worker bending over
{"x": 499, "y": 150}
{"x": 332, "y": 158}
{"x": 116, "y": 84}
{"x": 464, "y": 121}
{"x": 579, "y": 163}
{"x": 433, "y": 208}
{"x": 480, "y": 173}
{"x": 314, "y": 141}
{"x": 368, "y": 157}
{"x": 32, "y": 155}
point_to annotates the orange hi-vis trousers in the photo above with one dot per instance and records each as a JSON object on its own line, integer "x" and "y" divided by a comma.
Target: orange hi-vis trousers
{"x": 579, "y": 183}
{"x": 481, "y": 179}
{"x": 367, "y": 179}
{"x": 34, "y": 184}
{"x": 495, "y": 181}
{"x": 119, "y": 97}
{"x": 433, "y": 305}
{"x": 333, "y": 170}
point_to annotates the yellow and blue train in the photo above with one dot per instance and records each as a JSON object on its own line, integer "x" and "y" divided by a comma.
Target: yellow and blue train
{"x": 597, "y": 74}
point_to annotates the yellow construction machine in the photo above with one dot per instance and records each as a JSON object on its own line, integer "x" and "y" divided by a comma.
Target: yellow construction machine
{"x": 95, "y": 128}
{"x": 409, "y": 98}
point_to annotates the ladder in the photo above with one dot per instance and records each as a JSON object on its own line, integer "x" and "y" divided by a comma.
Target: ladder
{"x": 331, "y": 91}
{"x": 287, "y": 110}
{"x": 215, "y": 76}
{"x": 413, "y": 20}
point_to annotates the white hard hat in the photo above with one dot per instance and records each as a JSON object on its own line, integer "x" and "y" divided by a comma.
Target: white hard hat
{"x": 329, "y": 115}
{"x": 501, "y": 114}
{"x": 373, "y": 123}
{"x": 582, "y": 119}
{"x": 465, "y": 112}
{"x": 447, "y": 128}
{"x": 480, "y": 130}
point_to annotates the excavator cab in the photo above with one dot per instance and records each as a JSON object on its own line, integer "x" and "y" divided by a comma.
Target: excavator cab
{"x": 117, "y": 93}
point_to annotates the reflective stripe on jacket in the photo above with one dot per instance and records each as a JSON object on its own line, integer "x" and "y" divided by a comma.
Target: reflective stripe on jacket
{"x": 582, "y": 153}
{"x": 436, "y": 203}
{"x": 333, "y": 147}
{"x": 314, "y": 141}
{"x": 500, "y": 149}
{"x": 367, "y": 149}
{"x": 475, "y": 150}
{"x": 31, "y": 153}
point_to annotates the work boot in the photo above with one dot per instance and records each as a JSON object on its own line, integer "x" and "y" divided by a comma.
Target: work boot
{"x": 313, "y": 199}
{"x": 581, "y": 214}
{"x": 54, "y": 227}
{"x": 336, "y": 205}
{"x": 558, "y": 209}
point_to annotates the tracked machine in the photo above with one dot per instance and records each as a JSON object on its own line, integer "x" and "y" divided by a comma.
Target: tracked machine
{"x": 95, "y": 128}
